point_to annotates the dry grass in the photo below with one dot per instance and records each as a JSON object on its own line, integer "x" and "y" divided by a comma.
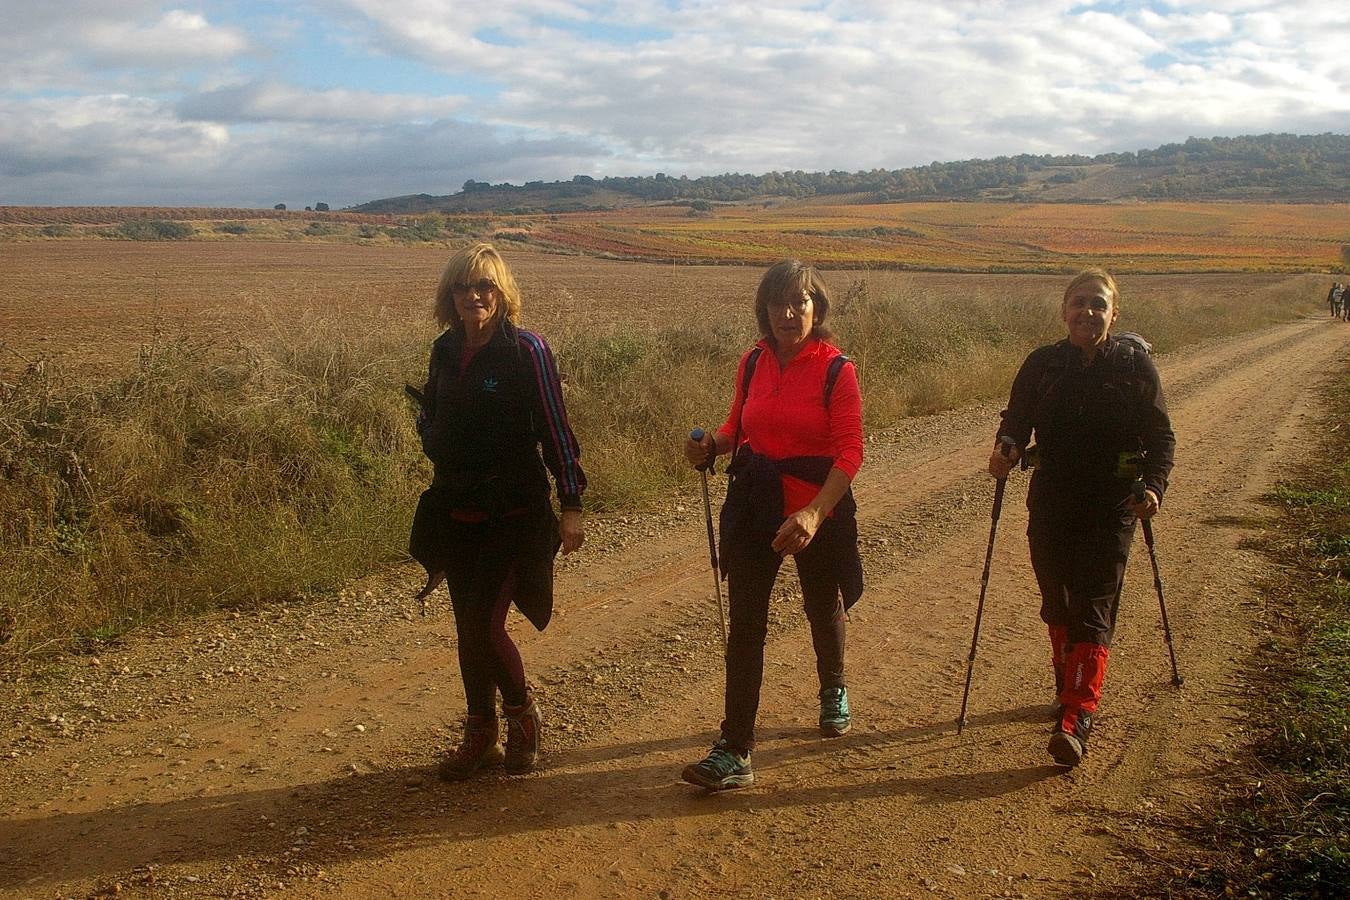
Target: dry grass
{"x": 225, "y": 425}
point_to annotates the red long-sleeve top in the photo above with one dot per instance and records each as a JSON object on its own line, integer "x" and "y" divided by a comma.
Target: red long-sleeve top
{"x": 785, "y": 414}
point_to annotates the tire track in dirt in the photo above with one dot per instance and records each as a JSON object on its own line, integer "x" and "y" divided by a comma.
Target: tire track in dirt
{"x": 280, "y": 785}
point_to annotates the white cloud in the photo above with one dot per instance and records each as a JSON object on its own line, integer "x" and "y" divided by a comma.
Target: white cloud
{"x": 176, "y": 38}
{"x": 271, "y": 102}
{"x": 548, "y": 88}
{"x": 72, "y": 45}
{"x": 117, "y": 149}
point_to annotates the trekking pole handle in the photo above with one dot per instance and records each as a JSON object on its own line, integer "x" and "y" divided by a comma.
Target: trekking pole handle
{"x": 708, "y": 465}
{"x": 1138, "y": 489}
{"x": 1005, "y": 444}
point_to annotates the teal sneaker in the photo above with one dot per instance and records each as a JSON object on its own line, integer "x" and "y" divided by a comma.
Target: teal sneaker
{"x": 834, "y": 716}
{"x": 720, "y": 770}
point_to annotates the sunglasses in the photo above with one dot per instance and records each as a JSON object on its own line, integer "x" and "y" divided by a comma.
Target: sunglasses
{"x": 798, "y": 304}
{"x": 1096, "y": 304}
{"x": 482, "y": 287}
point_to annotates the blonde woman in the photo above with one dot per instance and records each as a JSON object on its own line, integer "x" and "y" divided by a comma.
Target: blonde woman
{"x": 491, "y": 404}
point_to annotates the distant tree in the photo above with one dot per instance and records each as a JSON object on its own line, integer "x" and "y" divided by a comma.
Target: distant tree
{"x": 1345, "y": 255}
{"x": 309, "y": 209}
{"x": 280, "y": 206}
{"x": 321, "y": 207}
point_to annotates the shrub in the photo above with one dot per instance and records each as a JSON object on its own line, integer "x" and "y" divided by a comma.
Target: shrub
{"x": 232, "y": 228}
{"x": 57, "y": 230}
{"x": 426, "y": 228}
{"x": 210, "y": 477}
{"x": 154, "y": 230}
{"x": 320, "y": 229}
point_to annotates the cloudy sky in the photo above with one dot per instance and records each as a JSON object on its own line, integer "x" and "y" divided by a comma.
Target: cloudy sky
{"x": 256, "y": 102}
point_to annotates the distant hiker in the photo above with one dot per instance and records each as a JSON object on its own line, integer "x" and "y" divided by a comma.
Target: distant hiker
{"x": 1095, "y": 405}
{"x": 1336, "y": 298}
{"x": 796, "y": 427}
{"x": 486, "y": 525}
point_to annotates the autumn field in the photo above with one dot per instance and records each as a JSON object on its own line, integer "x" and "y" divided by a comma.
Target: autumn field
{"x": 988, "y": 237}
{"x": 937, "y": 236}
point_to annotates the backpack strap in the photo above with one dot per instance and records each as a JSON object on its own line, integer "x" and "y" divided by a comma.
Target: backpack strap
{"x": 755, "y": 353}
{"x": 832, "y": 375}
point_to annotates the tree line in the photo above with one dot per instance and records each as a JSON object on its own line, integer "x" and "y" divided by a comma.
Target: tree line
{"x": 1272, "y": 166}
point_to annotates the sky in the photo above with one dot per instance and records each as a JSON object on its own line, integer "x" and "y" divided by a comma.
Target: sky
{"x": 258, "y": 102}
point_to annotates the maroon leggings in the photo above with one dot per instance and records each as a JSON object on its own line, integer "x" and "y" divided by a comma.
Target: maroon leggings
{"x": 488, "y": 658}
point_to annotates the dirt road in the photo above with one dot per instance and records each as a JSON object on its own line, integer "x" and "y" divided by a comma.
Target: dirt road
{"x": 292, "y": 752}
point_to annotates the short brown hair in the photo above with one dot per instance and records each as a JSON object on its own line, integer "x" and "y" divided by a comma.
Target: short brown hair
{"x": 466, "y": 265}
{"x": 784, "y": 279}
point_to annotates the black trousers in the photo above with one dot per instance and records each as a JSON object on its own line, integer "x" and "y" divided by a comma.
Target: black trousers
{"x": 1080, "y": 569}
{"x": 750, "y": 579}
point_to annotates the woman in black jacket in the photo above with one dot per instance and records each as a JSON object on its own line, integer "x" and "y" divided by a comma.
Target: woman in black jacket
{"x": 492, "y": 401}
{"x": 1095, "y": 405}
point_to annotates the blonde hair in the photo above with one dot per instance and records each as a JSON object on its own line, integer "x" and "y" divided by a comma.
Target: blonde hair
{"x": 790, "y": 278}
{"x": 467, "y": 265}
{"x": 1094, "y": 274}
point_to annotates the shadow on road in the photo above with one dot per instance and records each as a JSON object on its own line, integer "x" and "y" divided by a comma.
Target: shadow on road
{"x": 371, "y": 815}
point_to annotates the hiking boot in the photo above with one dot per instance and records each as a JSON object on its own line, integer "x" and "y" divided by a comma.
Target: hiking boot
{"x": 1084, "y": 673}
{"x": 1068, "y": 745}
{"x": 834, "y": 716}
{"x": 722, "y": 769}
{"x": 478, "y": 750}
{"x": 522, "y": 736}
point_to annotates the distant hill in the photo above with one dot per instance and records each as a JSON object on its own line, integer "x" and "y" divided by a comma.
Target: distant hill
{"x": 1267, "y": 167}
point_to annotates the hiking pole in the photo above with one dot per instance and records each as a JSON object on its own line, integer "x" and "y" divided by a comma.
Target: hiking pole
{"x": 1137, "y": 489}
{"x": 1004, "y": 444}
{"x": 703, "y": 470}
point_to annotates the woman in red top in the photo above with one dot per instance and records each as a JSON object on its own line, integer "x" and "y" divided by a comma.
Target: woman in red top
{"x": 797, "y": 432}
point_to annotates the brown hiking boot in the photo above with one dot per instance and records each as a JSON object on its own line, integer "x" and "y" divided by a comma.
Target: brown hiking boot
{"x": 522, "y": 735}
{"x": 478, "y": 750}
